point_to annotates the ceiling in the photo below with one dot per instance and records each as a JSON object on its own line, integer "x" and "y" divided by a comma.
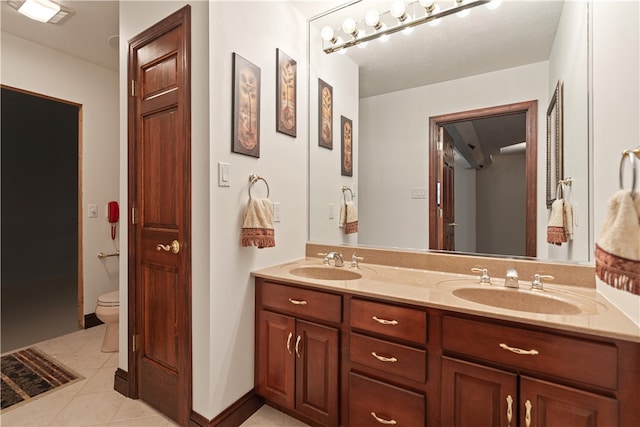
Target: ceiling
{"x": 84, "y": 35}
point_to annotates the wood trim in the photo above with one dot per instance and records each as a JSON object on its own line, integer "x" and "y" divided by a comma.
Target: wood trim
{"x": 531, "y": 216}
{"x": 234, "y": 415}
{"x": 91, "y": 320}
{"x": 121, "y": 382}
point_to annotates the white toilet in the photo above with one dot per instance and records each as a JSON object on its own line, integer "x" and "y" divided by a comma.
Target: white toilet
{"x": 108, "y": 310}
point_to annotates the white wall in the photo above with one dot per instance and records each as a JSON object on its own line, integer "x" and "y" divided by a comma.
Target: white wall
{"x": 254, "y": 30}
{"x": 32, "y": 67}
{"x": 616, "y": 112}
{"x": 326, "y": 181}
{"x": 394, "y": 136}
{"x": 568, "y": 62}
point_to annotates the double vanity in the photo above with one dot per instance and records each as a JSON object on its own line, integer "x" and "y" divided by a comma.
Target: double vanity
{"x": 412, "y": 339}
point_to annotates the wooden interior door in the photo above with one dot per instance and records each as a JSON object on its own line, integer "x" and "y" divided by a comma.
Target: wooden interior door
{"x": 160, "y": 200}
{"x": 447, "y": 193}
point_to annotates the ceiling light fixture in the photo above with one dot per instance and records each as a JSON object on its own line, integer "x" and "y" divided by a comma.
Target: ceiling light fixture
{"x": 393, "y": 21}
{"x": 45, "y": 11}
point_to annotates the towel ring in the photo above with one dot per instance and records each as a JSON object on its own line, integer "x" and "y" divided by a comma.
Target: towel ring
{"x": 344, "y": 192}
{"x": 253, "y": 178}
{"x": 630, "y": 154}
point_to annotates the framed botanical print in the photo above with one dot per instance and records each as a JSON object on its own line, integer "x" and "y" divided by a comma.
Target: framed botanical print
{"x": 286, "y": 77}
{"x": 346, "y": 132}
{"x": 325, "y": 115}
{"x": 246, "y": 107}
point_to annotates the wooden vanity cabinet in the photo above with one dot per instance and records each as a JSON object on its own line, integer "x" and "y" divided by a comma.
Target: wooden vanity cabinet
{"x": 297, "y": 350}
{"x": 512, "y": 392}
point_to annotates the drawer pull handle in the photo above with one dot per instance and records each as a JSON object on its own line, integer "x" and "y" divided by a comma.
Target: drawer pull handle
{"x": 385, "y": 321}
{"x": 383, "y": 421}
{"x": 509, "y": 409}
{"x": 297, "y": 301}
{"x": 527, "y": 415}
{"x": 298, "y": 345}
{"x": 289, "y": 342}
{"x": 515, "y": 350}
{"x": 382, "y": 358}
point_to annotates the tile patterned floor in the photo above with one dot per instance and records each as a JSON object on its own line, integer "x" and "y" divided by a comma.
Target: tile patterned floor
{"x": 93, "y": 402}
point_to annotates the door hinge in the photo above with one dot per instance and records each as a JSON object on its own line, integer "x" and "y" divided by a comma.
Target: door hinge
{"x": 133, "y": 88}
{"x": 134, "y": 216}
{"x": 135, "y": 342}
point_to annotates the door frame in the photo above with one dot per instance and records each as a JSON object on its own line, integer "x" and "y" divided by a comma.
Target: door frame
{"x": 182, "y": 17}
{"x": 530, "y": 108}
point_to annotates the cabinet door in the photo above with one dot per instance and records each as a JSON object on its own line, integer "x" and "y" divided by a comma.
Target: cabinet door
{"x": 546, "y": 404}
{"x": 474, "y": 395}
{"x": 317, "y": 372}
{"x": 276, "y": 358}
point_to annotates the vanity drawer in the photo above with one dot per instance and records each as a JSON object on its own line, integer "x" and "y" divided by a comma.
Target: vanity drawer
{"x": 390, "y": 320}
{"x": 389, "y": 357}
{"x": 374, "y": 403}
{"x": 576, "y": 359}
{"x": 302, "y": 302}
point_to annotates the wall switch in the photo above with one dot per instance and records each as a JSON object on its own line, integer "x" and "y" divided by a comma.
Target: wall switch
{"x": 276, "y": 211}
{"x": 92, "y": 211}
{"x": 418, "y": 192}
{"x": 331, "y": 211}
{"x": 223, "y": 175}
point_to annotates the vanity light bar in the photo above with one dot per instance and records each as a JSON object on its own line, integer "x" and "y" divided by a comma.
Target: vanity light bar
{"x": 338, "y": 44}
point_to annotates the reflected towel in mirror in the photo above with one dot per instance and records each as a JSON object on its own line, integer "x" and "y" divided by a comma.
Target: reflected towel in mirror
{"x": 349, "y": 217}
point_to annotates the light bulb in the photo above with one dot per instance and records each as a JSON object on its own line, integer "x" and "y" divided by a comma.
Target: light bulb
{"x": 435, "y": 22}
{"x": 372, "y": 18}
{"x": 429, "y": 5}
{"x": 328, "y": 35}
{"x": 462, "y": 13}
{"x": 349, "y": 26}
{"x": 494, "y": 4}
{"x": 398, "y": 10}
{"x": 407, "y": 31}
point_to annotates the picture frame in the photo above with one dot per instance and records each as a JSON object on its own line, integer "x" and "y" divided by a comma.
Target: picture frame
{"x": 555, "y": 149}
{"x": 286, "y": 94}
{"x": 346, "y": 144}
{"x": 325, "y": 114}
{"x": 245, "y": 135}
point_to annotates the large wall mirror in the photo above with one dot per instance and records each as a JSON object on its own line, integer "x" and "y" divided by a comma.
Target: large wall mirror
{"x": 393, "y": 90}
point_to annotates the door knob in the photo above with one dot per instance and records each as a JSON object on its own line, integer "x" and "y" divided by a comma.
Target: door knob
{"x": 173, "y": 247}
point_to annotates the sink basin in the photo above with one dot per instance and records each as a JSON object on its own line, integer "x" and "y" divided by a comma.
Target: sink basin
{"x": 325, "y": 273}
{"x": 520, "y": 300}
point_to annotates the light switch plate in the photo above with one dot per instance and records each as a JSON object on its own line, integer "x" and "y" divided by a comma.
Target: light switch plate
{"x": 276, "y": 211}
{"x": 223, "y": 175}
{"x": 92, "y": 211}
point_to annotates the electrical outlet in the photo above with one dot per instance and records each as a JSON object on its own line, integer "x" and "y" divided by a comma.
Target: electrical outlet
{"x": 276, "y": 211}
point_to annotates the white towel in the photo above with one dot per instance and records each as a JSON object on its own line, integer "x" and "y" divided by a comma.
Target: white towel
{"x": 257, "y": 226}
{"x": 349, "y": 217}
{"x": 618, "y": 246}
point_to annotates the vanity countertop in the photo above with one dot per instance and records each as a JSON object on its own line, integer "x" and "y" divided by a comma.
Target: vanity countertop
{"x": 435, "y": 289}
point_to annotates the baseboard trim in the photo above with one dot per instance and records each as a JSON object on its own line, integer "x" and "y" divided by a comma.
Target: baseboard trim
{"x": 121, "y": 382}
{"x": 91, "y": 320}
{"x": 234, "y": 415}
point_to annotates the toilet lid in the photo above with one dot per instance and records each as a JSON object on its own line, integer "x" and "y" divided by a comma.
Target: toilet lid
{"x": 110, "y": 299}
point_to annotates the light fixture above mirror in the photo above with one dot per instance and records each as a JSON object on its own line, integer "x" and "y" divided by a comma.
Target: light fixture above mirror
{"x": 401, "y": 17}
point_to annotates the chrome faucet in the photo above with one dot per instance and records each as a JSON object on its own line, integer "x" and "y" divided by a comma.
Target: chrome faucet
{"x": 335, "y": 256}
{"x": 536, "y": 283}
{"x": 484, "y": 275}
{"x": 354, "y": 261}
{"x": 511, "y": 281}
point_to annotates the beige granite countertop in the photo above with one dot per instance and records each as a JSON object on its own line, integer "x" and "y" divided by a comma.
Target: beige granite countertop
{"x": 435, "y": 289}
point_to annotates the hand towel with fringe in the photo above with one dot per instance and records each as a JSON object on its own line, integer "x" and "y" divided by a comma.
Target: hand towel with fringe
{"x": 257, "y": 226}
{"x": 618, "y": 246}
{"x": 349, "y": 217}
{"x": 556, "y": 233}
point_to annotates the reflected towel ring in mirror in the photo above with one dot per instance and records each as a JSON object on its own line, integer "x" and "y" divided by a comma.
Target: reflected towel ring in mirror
{"x": 253, "y": 178}
{"x": 632, "y": 155}
{"x": 344, "y": 192}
